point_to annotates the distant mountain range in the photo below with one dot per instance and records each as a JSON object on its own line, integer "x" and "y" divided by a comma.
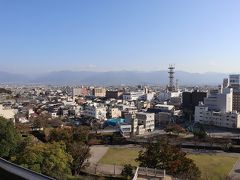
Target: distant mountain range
{"x": 113, "y": 78}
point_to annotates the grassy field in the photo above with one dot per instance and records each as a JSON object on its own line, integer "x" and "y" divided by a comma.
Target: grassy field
{"x": 214, "y": 167}
{"x": 120, "y": 156}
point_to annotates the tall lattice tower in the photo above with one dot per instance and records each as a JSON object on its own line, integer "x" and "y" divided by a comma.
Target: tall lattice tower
{"x": 171, "y": 73}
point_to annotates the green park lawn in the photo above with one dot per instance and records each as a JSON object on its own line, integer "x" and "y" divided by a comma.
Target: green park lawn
{"x": 120, "y": 156}
{"x": 214, "y": 167}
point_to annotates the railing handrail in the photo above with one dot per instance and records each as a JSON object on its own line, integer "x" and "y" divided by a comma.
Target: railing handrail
{"x": 145, "y": 171}
{"x": 136, "y": 174}
{"x": 21, "y": 171}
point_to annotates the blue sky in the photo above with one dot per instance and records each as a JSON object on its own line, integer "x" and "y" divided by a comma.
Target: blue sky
{"x": 103, "y": 35}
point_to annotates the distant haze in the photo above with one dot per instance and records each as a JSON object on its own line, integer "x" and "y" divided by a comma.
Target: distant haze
{"x": 113, "y": 78}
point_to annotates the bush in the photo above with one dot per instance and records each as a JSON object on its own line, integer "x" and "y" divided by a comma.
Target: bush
{"x": 127, "y": 171}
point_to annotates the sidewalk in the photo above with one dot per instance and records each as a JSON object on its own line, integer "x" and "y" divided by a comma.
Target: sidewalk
{"x": 235, "y": 172}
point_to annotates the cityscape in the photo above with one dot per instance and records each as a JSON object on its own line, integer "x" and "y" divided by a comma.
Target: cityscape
{"x": 120, "y": 90}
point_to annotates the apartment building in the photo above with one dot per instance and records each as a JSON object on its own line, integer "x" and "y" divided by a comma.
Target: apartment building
{"x": 234, "y": 83}
{"x": 217, "y": 110}
{"x": 95, "y": 110}
{"x": 223, "y": 119}
{"x": 147, "y": 120}
{"x": 99, "y": 92}
{"x": 7, "y": 113}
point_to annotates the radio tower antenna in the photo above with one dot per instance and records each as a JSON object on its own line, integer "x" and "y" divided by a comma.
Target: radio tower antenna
{"x": 171, "y": 73}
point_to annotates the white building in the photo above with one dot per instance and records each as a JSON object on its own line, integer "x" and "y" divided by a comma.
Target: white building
{"x": 146, "y": 119}
{"x": 141, "y": 122}
{"x": 131, "y": 119}
{"x": 125, "y": 130}
{"x": 222, "y": 119}
{"x": 148, "y": 96}
{"x": 164, "y": 107}
{"x": 95, "y": 110}
{"x": 164, "y": 96}
{"x": 133, "y": 96}
{"x": 7, "y": 113}
{"x": 221, "y": 101}
{"x": 217, "y": 110}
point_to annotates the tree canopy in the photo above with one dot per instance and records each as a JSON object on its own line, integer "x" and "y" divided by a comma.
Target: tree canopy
{"x": 175, "y": 128}
{"x": 76, "y": 140}
{"x": 10, "y": 138}
{"x": 49, "y": 158}
{"x": 162, "y": 155}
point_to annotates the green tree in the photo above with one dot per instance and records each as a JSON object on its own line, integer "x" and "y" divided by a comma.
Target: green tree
{"x": 200, "y": 132}
{"x": 162, "y": 155}
{"x": 58, "y": 135}
{"x": 76, "y": 134}
{"x": 174, "y": 128}
{"x": 80, "y": 153}
{"x": 41, "y": 121}
{"x": 10, "y": 138}
{"x": 127, "y": 171}
{"x": 76, "y": 140}
{"x": 80, "y": 134}
{"x": 50, "y": 159}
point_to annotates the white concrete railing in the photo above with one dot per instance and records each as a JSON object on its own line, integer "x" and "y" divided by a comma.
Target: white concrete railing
{"x": 144, "y": 171}
{"x": 136, "y": 174}
{"x": 21, "y": 171}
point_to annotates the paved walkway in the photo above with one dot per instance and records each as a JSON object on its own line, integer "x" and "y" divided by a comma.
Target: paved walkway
{"x": 235, "y": 172}
{"x": 97, "y": 152}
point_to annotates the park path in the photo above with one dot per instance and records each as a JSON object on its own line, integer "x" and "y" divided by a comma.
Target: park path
{"x": 235, "y": 172}
{"x": 97, "y": 152}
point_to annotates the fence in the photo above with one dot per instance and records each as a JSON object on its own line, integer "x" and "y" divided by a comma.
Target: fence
{"x": 149, "y": 172}
{"x": 105, "y": 169}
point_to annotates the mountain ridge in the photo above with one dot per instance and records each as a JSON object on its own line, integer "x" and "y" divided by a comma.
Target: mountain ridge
{"x": 113, "y": 78}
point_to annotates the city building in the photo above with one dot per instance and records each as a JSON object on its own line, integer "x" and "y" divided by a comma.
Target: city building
{"x": 191, "y": 99}
{"x": 220, "y": 101}
{"x": 133, "y": 96}
{"x": 99, "y": 92}
{"x": 7, "y": 113}
{"x": 217, "y": 110}
{"x": 162, "y": 119}
{"x": 223, "y": 119}
{"x": 95, "y": 110}
{"x": 225, "y": 82}
{"x": 79, "y": 91}
{"x": 234, "y": 83}
{"x": 114, "y": 94}
{"x": 147, "y": 120}
{"x": 114, "y": 112}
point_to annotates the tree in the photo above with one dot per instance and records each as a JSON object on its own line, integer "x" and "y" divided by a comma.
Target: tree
{"x": 200, "y": 132}
{"x": 175, "y": 128}
{"x": 64, "y": 135}
{"x": 127, "y": 171}
{"x": 49, "y": 159}
{"x": 76, "y": 140}
{"x": 41, "y": 121}
{"x": 80, "y": 153}
{"x": 76, "y": 134}
{"x": 10, "y": 138}
{"x": 162, "y": 155}
{"x": 80, "y": 134}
